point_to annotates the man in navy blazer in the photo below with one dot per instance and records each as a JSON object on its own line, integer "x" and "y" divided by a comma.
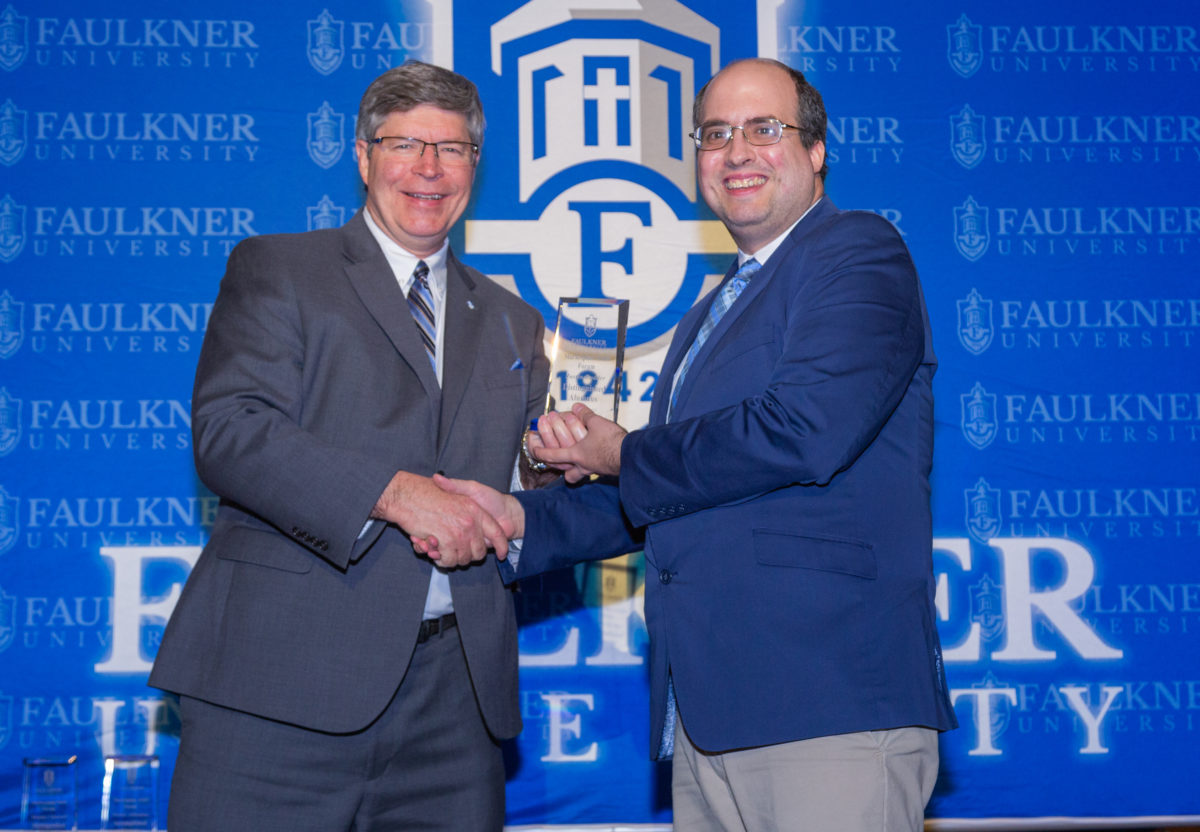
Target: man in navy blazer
{"x": 330, "y": 678}
{"x": 781, "y": 494}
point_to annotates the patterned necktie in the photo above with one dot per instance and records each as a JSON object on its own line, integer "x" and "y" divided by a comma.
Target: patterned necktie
{"x": 420, "y": 303}
{"x": 720, "y": 305}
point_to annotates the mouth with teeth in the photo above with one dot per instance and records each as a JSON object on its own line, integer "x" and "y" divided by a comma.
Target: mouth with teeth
{"x": 744, "y": 182}
{"x": 434, "y": 197}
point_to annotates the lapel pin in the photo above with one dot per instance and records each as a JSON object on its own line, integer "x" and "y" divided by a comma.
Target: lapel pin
{"x": 470, "y": 304}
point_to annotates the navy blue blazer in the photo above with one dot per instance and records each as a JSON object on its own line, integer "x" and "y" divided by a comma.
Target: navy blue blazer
{"x": 784, "y": 510}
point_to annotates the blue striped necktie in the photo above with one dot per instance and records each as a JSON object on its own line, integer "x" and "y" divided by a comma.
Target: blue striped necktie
{"x": 720, "y": 305}
{"x": 420, "y": 303}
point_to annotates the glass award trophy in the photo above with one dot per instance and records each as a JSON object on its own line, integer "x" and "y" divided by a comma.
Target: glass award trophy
{"x": 129, "y": 799}
{"x": 587, "y": 355}
{"x": 48, "y": 797}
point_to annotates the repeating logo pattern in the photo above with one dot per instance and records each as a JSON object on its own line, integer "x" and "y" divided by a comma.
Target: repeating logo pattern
{"x": 964, "y": 47}
{"x": 1066, "y": 388}
{"x": 971, "y": 235}
{"x": 14, "y": 133}
{"x": 9, "y": 520}
{"x": 326, "y": 131}
{"x": 326, "y": 43}
{"x": 14, "y": 39}
{"x": 975, "y": 326}
{"x": 982, "y": 510}
{"x": 12, "y": 324}
{"x": 979, "y": 424}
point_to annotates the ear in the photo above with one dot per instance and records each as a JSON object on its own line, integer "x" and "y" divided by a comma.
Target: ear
{"x": 816, "y": 155}
{"x": 362, "y": 152}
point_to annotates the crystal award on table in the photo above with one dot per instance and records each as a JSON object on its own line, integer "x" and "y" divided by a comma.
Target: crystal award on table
{"x": 129, "y": 799}
{"x": 587, "y": 355}
{"x": 48, "y": 797}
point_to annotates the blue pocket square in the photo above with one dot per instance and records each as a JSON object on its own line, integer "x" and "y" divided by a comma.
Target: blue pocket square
{"x": 517, "y": 365}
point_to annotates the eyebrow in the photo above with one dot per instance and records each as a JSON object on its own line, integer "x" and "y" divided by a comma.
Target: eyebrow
{"x": 710, "y": 122}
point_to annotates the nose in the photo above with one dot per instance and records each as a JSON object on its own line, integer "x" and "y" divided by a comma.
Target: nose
{"x": 738, "y": 150}
{"x": 428, "y": 162}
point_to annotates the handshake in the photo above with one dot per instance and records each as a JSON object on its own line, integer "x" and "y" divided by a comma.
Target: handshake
{"x": 455, "y": 522}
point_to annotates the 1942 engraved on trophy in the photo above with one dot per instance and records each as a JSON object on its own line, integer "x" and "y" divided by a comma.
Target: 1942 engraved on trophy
{"x": 587, "y": 355}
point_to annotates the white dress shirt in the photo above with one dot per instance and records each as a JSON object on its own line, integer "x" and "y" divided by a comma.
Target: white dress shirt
{"x": 438, "y": 601}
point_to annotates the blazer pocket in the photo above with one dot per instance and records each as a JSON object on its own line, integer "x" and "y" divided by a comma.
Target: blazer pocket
{"x": 775, "y": 547}
{"x": 503, "y": 379}
{"x": 264, "y": 548}
{"x": 766, "y": 341}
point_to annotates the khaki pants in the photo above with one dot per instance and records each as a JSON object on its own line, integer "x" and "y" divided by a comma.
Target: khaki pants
{"x": 873, "y": 781}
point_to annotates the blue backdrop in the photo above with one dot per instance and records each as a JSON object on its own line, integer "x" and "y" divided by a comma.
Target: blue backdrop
{"x": 1040, "y": 159}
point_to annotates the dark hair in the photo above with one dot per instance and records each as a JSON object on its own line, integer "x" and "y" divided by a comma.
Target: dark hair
{"x": 415, "y": 83}
{"x": 810, "y": 111}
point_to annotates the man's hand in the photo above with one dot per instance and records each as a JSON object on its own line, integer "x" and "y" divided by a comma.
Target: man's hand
{"x": 462, "y": 530}
{"x": 579, "y": 443}
{"x": 503, "y": 508}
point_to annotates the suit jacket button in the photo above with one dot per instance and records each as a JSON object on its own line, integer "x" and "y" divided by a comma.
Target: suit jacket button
{"x": 664, "y": 576}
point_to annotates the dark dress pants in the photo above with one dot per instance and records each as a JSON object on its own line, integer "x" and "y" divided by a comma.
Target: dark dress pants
{"x": 427, "y": 763}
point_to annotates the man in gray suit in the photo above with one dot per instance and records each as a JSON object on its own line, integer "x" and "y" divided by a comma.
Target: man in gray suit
{"x": 330, "y": 677}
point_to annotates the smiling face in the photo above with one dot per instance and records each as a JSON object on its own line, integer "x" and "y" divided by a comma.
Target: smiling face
{"x": 757, "y": 191}
{"x": 416, "y": 202}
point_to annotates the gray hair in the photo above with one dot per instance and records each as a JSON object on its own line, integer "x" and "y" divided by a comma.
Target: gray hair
{"x": 412, "y": 84}
{"x": 810, "y": 114}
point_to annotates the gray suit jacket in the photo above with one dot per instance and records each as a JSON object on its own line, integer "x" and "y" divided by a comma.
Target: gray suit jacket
{"x": 312, "y": 390}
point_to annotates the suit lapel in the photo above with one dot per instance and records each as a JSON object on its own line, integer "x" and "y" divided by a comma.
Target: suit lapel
{"x": 465, "y": 314}
{"x": 685, "y": 334}
{"x": 758, "y": 284}
{"x": 369, "y": 273}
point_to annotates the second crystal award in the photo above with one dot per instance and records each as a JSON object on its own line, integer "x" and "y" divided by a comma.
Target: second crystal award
{"x": 587, "y": 355}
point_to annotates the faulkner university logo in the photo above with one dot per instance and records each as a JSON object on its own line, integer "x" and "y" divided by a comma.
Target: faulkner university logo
{"x": 975, "y": 327}
{"x": 14, "y": 38}
{"x": 602, "y": 198}
{"x": 12, "y": 229}
{"x": 12, "y": 325}
{"x": 971, "y": 229}
{"x": 9, "y": 521}
{"x": 326, "y": 42}
{"x": 964, "y": 47}
{"x": 14, "y": 133}
{"x": 6, "y": 722}
{"x": 10, "y": 421}
{"x": 967, "y": 140}
{"x": 325, "y": 214}
{"x": 987, "y": 607}
{"x": 8, "y": 619}
{"x": 982, "y": 510}
{"x": 326, "y": 129}
{"x": 979, "y": 424}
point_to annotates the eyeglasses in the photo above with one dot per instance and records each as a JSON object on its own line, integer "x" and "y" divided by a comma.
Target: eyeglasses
{"x": 451, "y": 154}
{"x": 757, "y": 131}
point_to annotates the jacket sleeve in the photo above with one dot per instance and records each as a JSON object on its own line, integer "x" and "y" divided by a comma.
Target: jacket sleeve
{"x": 570, "y": 524}
{"x": 247, "y": 409}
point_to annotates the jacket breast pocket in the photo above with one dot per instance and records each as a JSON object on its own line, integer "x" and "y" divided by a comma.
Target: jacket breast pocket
{"x": 504, "y": 380}
{"x": 264, "y": 548}
{"x": 760, "y": 350}
{"x": 778, "y": 547}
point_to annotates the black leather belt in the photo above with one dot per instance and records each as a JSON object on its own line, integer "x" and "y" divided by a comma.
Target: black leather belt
{"x": 430, "y": 627}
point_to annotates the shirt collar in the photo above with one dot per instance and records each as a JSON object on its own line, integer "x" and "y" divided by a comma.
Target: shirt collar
{"x": 766, "y": 251}
{"x": 403, "y": 261}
